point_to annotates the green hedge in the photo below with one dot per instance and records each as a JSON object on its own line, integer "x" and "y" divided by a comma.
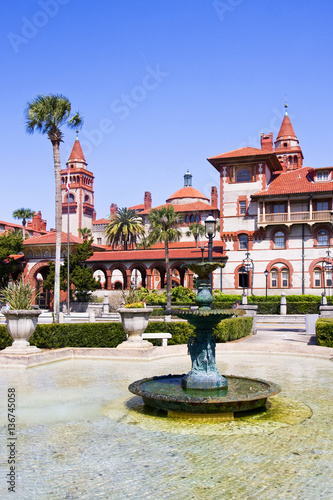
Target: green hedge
{"x": 324, "y": 332}
{"x": 112, "y": 334}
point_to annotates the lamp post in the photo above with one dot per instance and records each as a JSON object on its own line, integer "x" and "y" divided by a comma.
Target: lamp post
{"x": 210, "y": 231}
{"x": 248, "y": 265}
{"x": 266, "y": 273}
{"x": 327, "y": 266}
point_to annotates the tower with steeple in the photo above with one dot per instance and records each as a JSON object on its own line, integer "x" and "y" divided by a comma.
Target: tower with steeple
{"x": 77, "y": 189}
{"x": 287, "y": 146}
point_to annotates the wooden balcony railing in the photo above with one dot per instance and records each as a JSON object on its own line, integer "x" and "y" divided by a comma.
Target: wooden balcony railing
{"x": 295, "y": 218}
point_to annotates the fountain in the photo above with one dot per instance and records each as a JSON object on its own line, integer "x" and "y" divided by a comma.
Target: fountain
{"x": 204, "y": 390}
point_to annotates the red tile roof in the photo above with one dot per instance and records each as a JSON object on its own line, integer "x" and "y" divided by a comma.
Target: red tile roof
{"x": 101, "y": 221}
{"x": 197, "y": 206}
{"x": 137, "y": 207}
{"x": 77, "y": 153}
{"x": 246, "y": 155}
{"x": 153, "y": 254}
{"x": 247, "y": 151}
{"x": 286, "y": 130}
{"x": 50, "y": 238}
{"x": 187, "y": 192}
{"x": 295, "y": 182}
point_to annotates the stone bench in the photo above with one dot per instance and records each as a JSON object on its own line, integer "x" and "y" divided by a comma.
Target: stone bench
{"x": 164, "y": 336}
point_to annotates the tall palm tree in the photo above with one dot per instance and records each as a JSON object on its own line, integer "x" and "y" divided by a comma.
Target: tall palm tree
{"x": 46, "y": 114}
{"x": 196, "y": 230}
{"x": 164, "y": 223}
{"x": 85, "y": 232}
{"x": 24, "y": 214}
{"x": 124, "y": 228}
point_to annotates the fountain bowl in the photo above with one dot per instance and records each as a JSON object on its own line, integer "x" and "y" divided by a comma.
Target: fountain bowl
{"x": 166, "y": 393}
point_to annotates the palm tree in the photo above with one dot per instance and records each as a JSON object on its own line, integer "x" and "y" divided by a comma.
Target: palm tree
{"x": 164, "y": 223}
{"x": 24, "y": 214}
{"x": 196, "y": 230}
{"x": 85, "y": 232}
{"x": 124, "y": 228}
{"x": 46, "y": 114}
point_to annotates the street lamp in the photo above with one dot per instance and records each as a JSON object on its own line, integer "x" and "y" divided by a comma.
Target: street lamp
{"x": 327, "y": 266}
{"x": 266, "y": 273}
{"x": 248, "y": 265}
{"x": 210, "y": 231}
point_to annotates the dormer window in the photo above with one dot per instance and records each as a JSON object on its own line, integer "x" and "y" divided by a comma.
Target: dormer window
{"x": 322, "y": 175}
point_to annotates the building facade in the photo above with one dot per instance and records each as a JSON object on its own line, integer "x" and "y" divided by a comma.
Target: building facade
{"x": 274, "y": 216}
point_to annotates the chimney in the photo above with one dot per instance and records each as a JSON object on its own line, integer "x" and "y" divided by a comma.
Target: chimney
{"x": 113, "y": 210}
{"x": 214, "y": 197}
{"x": 37, "y": 223}
{"x": 267, "y": 142}
{"x": 147, "y": 200}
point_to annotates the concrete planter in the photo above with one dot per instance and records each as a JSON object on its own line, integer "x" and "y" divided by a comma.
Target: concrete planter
{"x": 21, "y": 324}
{"x": 135, "y": 322}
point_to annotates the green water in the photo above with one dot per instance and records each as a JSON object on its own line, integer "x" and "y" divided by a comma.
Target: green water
{"x": 82, "y": 435}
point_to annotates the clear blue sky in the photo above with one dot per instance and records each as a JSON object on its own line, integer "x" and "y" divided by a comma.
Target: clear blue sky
{"x": 162, "y": 85}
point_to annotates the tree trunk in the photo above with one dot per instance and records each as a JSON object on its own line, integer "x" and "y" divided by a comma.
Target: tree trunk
{"x": 58, "y": 228}
{"x": 167, "y": 267}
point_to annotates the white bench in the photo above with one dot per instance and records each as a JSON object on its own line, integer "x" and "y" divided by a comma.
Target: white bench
{"x": 164, "y": 336}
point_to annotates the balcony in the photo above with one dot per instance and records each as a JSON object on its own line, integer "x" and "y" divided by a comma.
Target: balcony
{"x": 294, "y": 218}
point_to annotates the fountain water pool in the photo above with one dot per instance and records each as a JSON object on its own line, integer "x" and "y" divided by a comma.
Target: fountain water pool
{"x": 80, "y": 436}
{"x": 203, "y": 390}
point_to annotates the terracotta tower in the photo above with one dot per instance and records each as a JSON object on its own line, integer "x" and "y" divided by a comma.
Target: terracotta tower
{"x": 287, "y": 146}
{"x": 77, "y": 184}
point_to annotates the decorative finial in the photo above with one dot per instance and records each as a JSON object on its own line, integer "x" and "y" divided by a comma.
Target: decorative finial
{"x": 77, "y": 134}
{"x": 286, "y": 106}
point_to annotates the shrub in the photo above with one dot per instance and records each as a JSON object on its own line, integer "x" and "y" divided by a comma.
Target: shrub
{"x": 233, "y": 329}
{"x": 56, "y": 336}
{"x": 324, "y": 332}
{"x": 182, "y": 295}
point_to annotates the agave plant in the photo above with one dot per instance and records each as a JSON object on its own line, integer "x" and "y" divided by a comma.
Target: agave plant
{"x": 18, "y": 295}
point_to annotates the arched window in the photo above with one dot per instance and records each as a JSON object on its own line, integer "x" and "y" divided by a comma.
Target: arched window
{"x": 243, "y": 175}
{"x": 317, "y": 277}
{"x": 86, "y": 199}
{"x": 295, "y": 159}
{"x": 197, "y": 218}
{"x": 71, "y": 197}
{"x": 290, "y": 159}
{"x": 274, "y": 278}
{"x": 243, "y": 241}
{"x": 243, "y": 278}
{"x": 192, "y": 218}
{"x": 285, "y": 278}
{"x": 322, "y": 238}
{"x": 187, "y": 218}
{"x": 285, "y": 144}
{"x": 279, "y": 240}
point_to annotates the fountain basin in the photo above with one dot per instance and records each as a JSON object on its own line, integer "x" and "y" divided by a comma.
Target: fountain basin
{"x": 166, "y": 393}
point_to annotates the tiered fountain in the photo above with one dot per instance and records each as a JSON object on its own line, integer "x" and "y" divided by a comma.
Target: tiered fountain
{"x": 204, "y": 390}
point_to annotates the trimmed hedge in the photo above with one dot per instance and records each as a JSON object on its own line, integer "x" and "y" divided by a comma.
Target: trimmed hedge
{"x": 56, "y": 336}
{"x": 324, "y": 332}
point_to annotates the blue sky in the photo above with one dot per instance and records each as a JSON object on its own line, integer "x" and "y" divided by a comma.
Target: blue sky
{"x": 162, "y": 85}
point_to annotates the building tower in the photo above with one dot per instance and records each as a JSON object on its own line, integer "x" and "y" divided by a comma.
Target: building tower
{"x": 287, "y": 146}
{"x": 77, "y": 184}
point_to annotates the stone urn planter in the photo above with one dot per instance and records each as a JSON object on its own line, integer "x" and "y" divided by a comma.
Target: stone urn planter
{"x": 21, "y": 324}
{"x": 135, "y": 322}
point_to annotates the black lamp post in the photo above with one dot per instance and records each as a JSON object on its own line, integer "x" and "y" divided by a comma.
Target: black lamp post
{"x": 210, "y": 231}
{"x": 248, "y": 265}
{"x": 327, "y": 266}
{"x": 266, "y": 273}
